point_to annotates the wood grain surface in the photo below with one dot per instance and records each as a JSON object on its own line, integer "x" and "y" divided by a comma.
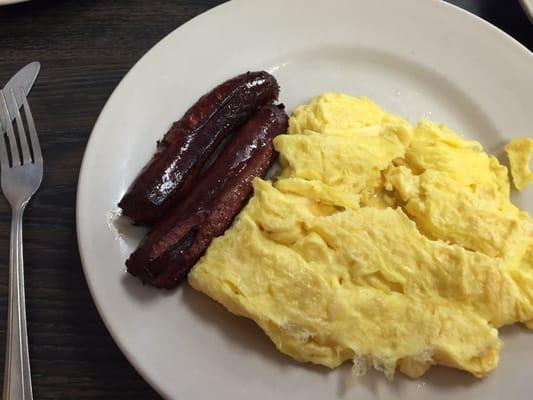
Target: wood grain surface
{"x": 85, "y": 48}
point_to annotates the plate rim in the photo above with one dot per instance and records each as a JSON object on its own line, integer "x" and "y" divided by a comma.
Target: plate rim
{"x": 130, "y": 356}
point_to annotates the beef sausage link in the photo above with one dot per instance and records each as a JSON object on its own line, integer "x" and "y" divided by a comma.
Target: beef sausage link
{"x": 174, "y": 245}
{"x": 174, "y": 169}
{"x": 207, "y": 105}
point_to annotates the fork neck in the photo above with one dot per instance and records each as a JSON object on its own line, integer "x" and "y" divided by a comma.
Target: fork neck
{"x": 17, "y": 210}
{"x": 16, "y": 226}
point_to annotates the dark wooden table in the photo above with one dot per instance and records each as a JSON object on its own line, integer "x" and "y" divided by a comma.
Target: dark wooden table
{"x": 85, "y": 47}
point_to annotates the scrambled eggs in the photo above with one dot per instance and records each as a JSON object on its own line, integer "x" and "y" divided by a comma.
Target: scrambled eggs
{"x": 392, "y": 245}
{"x": 519, "y": 154}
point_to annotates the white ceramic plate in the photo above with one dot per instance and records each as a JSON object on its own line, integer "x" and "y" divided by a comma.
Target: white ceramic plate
{"x": 6, "y": 2}
{"x": 527, "y": 5}
{"x": 415, "y": 58}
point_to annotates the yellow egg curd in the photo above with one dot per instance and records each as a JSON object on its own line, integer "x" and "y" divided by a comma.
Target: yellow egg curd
{"x": 519, "y": 154}
{"x": 392, "y": 245}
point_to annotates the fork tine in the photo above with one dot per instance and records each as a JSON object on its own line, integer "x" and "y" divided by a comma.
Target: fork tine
{"x": 10, "y": 132}
{"x": 26, "y": 156}
{"x": 4, "y": 160}
{"x": 36, "y": 147}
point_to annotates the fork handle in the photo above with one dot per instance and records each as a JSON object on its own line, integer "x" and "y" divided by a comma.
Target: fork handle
{"x": 17, "y": 375}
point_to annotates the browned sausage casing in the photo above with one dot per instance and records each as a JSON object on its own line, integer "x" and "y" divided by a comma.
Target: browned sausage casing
{"x": 173, "y": 246}
{"x": 191, "y": 141}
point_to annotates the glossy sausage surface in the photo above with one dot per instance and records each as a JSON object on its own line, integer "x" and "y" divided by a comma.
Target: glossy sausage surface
{"x": 191, "y": 141}
{"x": 174, "y": 245}
{"x": 207, "y": 105}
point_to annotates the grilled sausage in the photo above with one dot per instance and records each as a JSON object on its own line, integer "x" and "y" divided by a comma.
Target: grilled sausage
{"x": 174, "y": 245}
{"x": 191, "y": 141}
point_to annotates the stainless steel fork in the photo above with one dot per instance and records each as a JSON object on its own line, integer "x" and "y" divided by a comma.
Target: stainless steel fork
{"x": 22, "y": 172}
